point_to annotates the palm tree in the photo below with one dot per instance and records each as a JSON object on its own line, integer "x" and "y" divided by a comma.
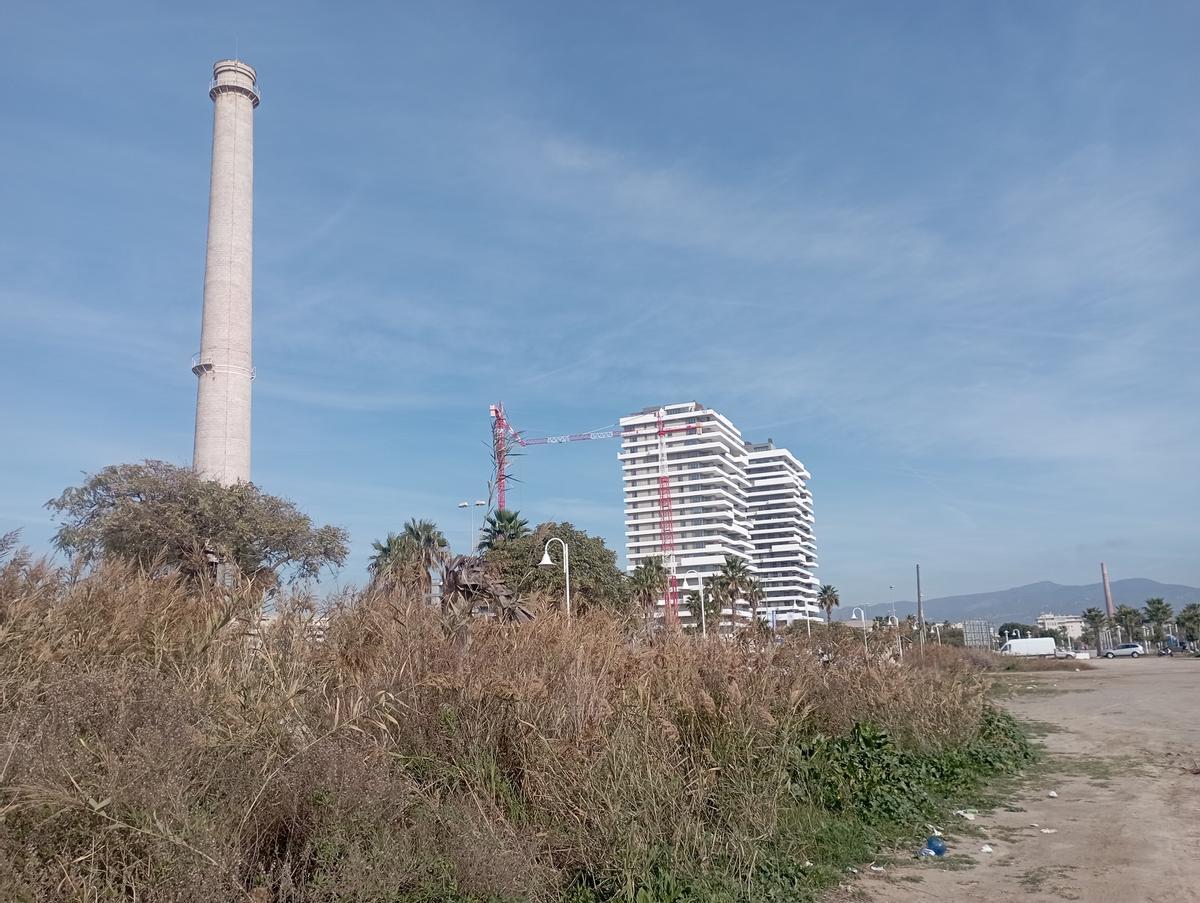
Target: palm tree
{"x": 827, "y": 598}
{"x": 755, "y": 596}
{"x": 426, "y": 545}
{"x": 1189, "y": 621}
{"x": 1129, "y": 619}
{"x": 388, "y": 555}
{"x": 501, "y": 526}
{"x": 712, "y": 606}
{"x": 1158, "y": 613}
{"x": 1096, "y": 620}
{"x": 470, "y": 584}
{"x": 410, "y": 556}
{"x": 648, "y": 582}
{"x": 734, "y": 582}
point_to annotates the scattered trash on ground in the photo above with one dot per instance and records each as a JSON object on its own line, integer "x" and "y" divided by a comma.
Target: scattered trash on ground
{"x": 986, "y": 848}
{"x": 1049, "y": 830}
{"x": 936, "y": 844}
{"x": 934, "y": 830}
{"x": 969, "y": 816}
{"x": 808, "y": 863}
{"x": 876, "y": 868}
{"x": 1034, "y": 824}
{"x": 1053, "y": 794}
{"x": 852, "y": 870}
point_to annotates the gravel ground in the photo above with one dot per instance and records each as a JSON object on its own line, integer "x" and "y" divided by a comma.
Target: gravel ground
{"x": 1123, "y": 757}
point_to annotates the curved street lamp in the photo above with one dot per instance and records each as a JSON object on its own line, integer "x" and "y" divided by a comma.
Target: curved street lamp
{"x": 862, "y": 614}
{"x": 548, "y": 563}
{"x": 893, "y": 621}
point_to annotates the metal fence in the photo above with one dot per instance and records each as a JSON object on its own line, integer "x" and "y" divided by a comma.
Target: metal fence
{"x": 979, "y": 634}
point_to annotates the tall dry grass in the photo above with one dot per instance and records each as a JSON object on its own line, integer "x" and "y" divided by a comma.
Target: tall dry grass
{"x": 157, "y": 742}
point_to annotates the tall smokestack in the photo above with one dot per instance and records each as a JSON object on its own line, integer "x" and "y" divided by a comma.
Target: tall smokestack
{"x": 1112, "y": 612}
{"x": 224, "y": 366}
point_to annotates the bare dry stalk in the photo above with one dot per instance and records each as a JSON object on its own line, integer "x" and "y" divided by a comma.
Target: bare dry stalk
{"x": 177, "y": 741}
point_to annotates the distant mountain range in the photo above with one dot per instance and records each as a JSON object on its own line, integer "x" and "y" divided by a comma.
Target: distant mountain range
{"x": 1025, "y": 603}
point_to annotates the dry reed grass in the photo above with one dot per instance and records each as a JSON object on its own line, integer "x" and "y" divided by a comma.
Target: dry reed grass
{"x": 160, "y": 743}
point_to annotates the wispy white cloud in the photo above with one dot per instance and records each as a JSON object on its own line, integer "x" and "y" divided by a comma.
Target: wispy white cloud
{"x": 1028, "y": 336}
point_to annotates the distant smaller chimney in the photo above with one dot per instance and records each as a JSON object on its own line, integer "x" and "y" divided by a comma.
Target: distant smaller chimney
{"x": 1108, "y": 602}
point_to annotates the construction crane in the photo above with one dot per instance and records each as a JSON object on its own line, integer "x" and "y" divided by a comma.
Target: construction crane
{"x": 504, "y": 435}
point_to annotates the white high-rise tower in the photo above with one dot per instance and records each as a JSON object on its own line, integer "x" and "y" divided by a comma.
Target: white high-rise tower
{"x": 224, "y": 367}
{"x": 728, "y": 499}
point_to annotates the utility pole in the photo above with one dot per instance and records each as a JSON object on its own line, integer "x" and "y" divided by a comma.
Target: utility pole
{"x": 1108, "y": 602}
{"x": 920, "y": 616}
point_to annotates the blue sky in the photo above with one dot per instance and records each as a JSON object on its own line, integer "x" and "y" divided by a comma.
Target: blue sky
{"x": 945, "y": 252}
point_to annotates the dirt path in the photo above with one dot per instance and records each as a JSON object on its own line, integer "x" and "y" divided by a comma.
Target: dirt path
{"x": 1123, "y": 747}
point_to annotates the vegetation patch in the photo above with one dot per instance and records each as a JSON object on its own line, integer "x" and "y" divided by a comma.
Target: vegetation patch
{"x": 166, "y": 739}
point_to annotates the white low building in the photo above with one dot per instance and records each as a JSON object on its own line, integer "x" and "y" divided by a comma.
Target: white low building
{"x": 1072, "y": 624}
{"x": 727, "y": 498}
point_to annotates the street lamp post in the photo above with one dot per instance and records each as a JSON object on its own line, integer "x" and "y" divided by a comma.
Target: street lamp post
{"x": 862, "y": 614}
{"x": 471, "y": 520}
{"x": 548, "y": 562}
{"x": 703, "y": 618}
{"x": 894, "y": 622}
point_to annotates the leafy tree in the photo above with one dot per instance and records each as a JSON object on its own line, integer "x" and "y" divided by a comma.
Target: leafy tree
{"x": 1158, "y": 614}
{"x": 500, "y": 526}
{"x": 411, "y": 555}
{"x": 952, "y": 636}
{"x": 595, "y": 578}
{"x": 828, "y": 599}
{"x": 1095, "y": 619}
{"x": 1189, "y": 621}
{"x": 165, "y": 516}
{"x": 1017, "y": 629}
{"x": 1129, "y": 619}
{"x": 647, "y": 584}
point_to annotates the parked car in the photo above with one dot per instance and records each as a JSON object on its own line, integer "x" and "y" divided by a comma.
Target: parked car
{"x": 1132, "y": 650}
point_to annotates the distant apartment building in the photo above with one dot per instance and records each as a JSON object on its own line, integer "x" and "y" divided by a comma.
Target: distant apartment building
{"x": 1072, "y": 624}
{"x": 781, "y": 530}
{"x": 728, "y": 497}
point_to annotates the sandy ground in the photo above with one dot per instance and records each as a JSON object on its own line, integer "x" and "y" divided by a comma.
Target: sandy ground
{"x": 1123, "y": 755}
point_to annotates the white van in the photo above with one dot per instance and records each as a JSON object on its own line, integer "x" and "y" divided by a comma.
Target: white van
{"x": 1038, "y": 645}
